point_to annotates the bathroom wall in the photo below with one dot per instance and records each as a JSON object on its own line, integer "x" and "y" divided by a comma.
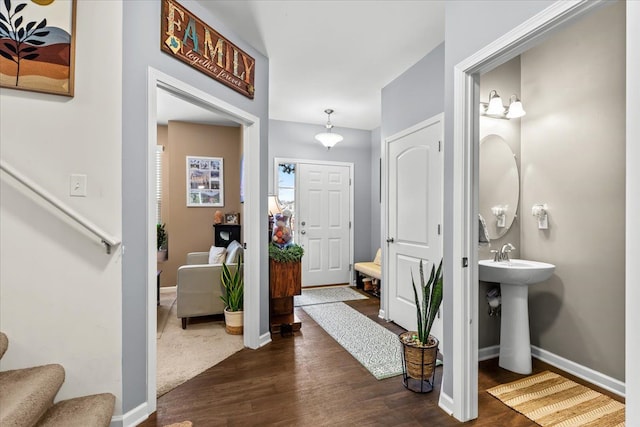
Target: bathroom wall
{"x": 573, "y": 159}
{"x": 505, "y": 79}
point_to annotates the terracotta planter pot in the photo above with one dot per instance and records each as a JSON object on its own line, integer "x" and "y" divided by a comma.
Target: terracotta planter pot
{"x": 233, "y": 322}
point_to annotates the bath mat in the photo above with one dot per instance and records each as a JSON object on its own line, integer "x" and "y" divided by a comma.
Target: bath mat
{"x": 549, "y": 399}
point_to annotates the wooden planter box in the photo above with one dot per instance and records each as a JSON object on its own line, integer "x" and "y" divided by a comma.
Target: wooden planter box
{"x": 285, "y": 281}
{"x": 285, "y": 278}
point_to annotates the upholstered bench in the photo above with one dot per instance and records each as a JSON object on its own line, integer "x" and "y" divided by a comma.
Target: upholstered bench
{"x": 372, "y": 269}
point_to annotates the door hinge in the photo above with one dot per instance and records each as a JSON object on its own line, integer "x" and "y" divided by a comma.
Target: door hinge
{"x": 465, "y": 262}
{"x": 350, "y": 265}
{"x": 439, "y": 229}
{"x": 349, "y": 224}
{"x": 439, "y": 145}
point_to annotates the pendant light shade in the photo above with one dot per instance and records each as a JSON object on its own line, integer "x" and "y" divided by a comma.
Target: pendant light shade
{"x": 328, "y": 138}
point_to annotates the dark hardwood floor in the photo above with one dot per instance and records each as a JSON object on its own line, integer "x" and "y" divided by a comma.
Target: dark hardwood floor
{"x": 308, "y": 379}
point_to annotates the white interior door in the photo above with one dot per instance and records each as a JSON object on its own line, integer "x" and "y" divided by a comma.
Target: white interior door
{"x": 414, "y": 227}
{"x": 323, "y": 205}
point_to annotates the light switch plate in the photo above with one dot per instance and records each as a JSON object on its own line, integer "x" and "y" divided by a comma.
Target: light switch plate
{"x": 78, "y": 185}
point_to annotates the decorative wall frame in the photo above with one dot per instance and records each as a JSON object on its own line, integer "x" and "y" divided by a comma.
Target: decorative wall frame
{"x": 205, "y": 181}
{"x": 37, "y": 45}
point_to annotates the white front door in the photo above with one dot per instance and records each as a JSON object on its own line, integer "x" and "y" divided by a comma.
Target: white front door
{"x": 323, "y": 227}
{"x": 414, "y": 227}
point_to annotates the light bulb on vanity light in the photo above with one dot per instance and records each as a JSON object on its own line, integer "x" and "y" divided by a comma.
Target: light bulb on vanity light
{"x": 495, "y": 104}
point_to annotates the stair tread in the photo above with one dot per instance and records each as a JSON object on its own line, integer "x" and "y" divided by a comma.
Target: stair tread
{"x": 26, "y": 394}
{"x": 87, "y": 411}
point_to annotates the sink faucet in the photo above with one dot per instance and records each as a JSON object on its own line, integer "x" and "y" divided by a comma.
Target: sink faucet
{"x": 503, "y": 253}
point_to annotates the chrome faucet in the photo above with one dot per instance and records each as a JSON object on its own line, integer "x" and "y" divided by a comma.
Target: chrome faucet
{"x": 503, "y": 253}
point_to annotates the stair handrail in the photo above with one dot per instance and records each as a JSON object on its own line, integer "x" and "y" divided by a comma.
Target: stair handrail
{"x": 105, "y": 238}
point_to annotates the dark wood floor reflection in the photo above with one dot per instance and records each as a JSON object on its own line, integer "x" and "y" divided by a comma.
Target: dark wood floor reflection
{"x": 309, "y": 380}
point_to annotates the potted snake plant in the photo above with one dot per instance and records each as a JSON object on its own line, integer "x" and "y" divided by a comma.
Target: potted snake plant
{"x": 233, "y": 298}
{"x": 420, "y": 349}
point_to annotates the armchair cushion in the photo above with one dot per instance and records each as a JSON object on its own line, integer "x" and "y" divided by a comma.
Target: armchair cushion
{"x": 217, "y": 255}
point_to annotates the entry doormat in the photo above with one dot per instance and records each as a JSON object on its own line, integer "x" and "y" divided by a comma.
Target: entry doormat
{"x": 549, "y": 399}
{"x": 328, "y": 294}
{"x": 375, "y": 347}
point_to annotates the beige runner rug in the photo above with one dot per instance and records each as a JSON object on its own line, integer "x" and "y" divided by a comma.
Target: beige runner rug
{"x": 549, "y": 399}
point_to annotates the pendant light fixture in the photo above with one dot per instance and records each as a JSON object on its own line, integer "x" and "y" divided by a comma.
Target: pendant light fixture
{"x": 328, "y": 138}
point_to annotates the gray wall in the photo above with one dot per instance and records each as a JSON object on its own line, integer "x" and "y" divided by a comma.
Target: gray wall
{"x": 467, "y": 31}
{"x": 376, "y": 205}
{"x": 296, "y": 140}
{"x": 506, "y": 80}
{"x": 416, "y": 95}
{"x": 140, "y": 51}
{"x": 573, "y": 159}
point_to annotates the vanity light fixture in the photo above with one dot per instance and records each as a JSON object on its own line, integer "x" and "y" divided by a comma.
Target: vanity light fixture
{"x": 328, "y": 138}
{"x": 496, "y": 109}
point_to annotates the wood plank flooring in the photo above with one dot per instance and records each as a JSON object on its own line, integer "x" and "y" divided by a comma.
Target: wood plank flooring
{"x": 309, "y": 380}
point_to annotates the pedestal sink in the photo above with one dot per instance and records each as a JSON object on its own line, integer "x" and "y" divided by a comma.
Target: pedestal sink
{"x": 514, "y": 277}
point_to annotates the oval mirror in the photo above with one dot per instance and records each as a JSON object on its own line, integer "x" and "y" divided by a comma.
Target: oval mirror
{"x": 499, "y": 185}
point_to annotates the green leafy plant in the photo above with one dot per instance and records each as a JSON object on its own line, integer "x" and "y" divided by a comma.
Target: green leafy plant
{"x": 291, "y": 253}
{"x": 431, "y": 299}
{"x": 233, "y": 297}
{"x": 161, "y": 235}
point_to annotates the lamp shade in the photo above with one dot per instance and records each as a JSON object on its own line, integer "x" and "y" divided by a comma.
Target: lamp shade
{"x": 515, "y": 110}
{"x": 274, "y": 205}
{"x": 329, "y": 139}
{"x": 495, "y": 104}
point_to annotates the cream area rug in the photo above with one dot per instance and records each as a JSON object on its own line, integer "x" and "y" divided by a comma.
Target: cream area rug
{"x": 375, "y": 347}
{"x": 185, "y": 353}
{"x": 549, "y": 399}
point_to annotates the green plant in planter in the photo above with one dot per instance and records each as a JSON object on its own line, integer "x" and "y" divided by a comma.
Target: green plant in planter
{"x": 291, "y": 253}
{"x": 233, "y": 297}
{"x": 431, "y": 299}
{"x": 161, "y": 235}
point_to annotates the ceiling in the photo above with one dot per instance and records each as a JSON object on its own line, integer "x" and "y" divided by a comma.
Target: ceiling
{"x": 333, "y": 54}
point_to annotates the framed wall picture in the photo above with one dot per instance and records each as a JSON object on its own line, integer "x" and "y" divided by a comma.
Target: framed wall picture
{"x": 37, "y": 45}
{"x": 232, "y": 218}
{"x": 205, "y": 184}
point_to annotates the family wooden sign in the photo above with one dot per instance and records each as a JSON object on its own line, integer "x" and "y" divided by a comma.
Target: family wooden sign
{"x": 186, "y": 37}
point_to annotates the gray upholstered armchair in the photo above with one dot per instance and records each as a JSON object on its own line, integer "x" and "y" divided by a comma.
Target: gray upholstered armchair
{"x": 199, "y": 285}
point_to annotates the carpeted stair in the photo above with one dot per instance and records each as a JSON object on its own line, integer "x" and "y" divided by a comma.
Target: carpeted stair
{"x": 26, "y": 399}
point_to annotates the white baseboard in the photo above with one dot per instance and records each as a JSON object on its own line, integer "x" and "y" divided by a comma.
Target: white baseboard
{"x": 446, "y": 403}
{"x": 132, "y": 418}
{"x": 487, "y": 353}
{"x": 173, "y": 288}
{"x": 381, "y": 314}
{"x": 264, "y": 339}
{"x": 594, "y": 377}
{"x": 601, "y": 380}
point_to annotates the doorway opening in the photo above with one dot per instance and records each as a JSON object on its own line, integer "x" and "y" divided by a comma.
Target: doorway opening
{"x": 465, "y": 232}
{"x": 320, "y": 198}
{"x": 252, "y": 217}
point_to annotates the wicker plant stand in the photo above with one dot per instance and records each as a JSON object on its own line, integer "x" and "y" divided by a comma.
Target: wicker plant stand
{"x": 418, "y": 363}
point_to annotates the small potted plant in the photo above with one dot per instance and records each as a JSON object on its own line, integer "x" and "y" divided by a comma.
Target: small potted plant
{"x": 162, "y": 242}
{"x": 420, "y": 349}
{"x": 233, "y": 298}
